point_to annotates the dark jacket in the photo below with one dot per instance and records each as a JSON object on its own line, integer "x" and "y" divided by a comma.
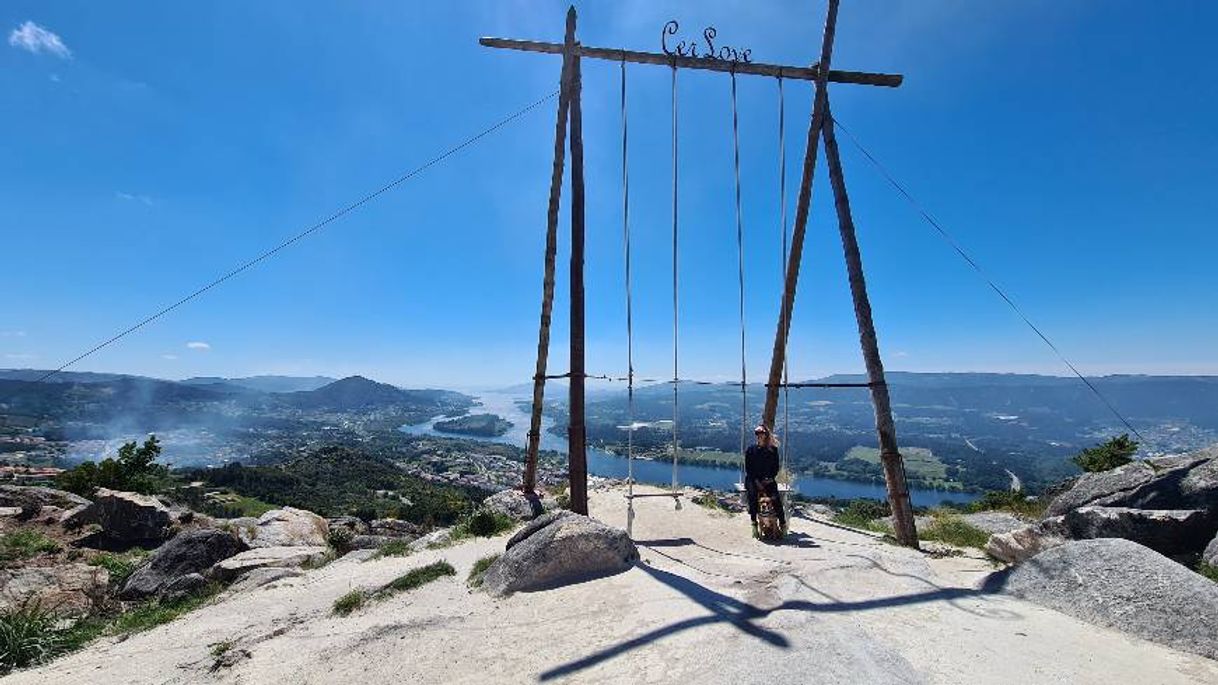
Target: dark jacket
{"x": 760, "y": 462}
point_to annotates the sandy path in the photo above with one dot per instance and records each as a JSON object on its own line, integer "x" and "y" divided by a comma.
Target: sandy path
{"x": 708, "y": 603}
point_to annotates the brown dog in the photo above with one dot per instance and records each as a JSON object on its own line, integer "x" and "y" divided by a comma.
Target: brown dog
{"x": 767, "y": 517}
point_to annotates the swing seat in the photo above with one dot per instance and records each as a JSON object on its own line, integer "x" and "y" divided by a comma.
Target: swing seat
{"x": 782, "y": 487}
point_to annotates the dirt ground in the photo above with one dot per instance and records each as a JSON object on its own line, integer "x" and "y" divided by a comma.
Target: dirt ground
{"x": 707, "y": 603}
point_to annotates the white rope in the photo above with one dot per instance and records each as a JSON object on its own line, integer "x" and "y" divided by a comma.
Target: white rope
{"x": 676, "y": 443}
{"x": 744, "y": 378}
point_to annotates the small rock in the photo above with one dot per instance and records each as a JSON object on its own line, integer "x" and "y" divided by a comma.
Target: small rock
{"x": 263, "y": 557}
{"x": 559, "y": 548}
{"x": 1026, "y": 542}
{"x": 1122, "y": 585}
{"x": 352, "y": 523}
{"x": 373, "y": 541}
{"x": 394, "y": 528}
{"x": 7, "y": 512}
{"x": 518, "y": 505}
{"x": 436, "y": 538}
{"x": 182, "y": 587}
{"x": 1210, "y": 555}
{"x": 189, "y": 553}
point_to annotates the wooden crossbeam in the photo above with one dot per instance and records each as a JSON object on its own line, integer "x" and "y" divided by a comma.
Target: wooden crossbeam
{"x": 800, "y": 73}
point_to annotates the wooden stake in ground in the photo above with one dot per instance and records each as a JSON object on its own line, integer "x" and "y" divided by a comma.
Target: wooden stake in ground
{"x": 890, "y": 457}
{"x": 547, "y": 294}
{"x": 577, "y": 457}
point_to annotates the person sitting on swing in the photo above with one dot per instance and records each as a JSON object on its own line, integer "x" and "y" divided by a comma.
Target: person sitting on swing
{"x": 761, "y": 464}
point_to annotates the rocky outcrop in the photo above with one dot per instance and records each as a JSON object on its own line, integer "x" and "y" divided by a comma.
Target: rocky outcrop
{"x": 518, "y": 505}
{"x": 1121, "y": 585}
{"x": 1026, "y": 542}
{"x": 182, "y": 587}
{"x": 126, "y": 519}
{"x": 1170, "y": 532}
{"x": 559, "y": 548}
{"x": 995, "y": 522}
{"x": 266, "y": 557}
{"x": 394, "y": 528}
{"x": 1183, "y": 482}
{"x": 192, "y": 552}
{"x": 69, "y": 589}
{"x": 34, "y": 498}
{"x": 1210, "y": 555}
{"x": 287, "y": 527}
{"x": 352, "y": 523}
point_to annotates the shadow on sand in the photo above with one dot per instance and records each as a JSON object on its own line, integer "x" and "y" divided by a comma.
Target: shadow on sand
{"x": 742, "y": 615}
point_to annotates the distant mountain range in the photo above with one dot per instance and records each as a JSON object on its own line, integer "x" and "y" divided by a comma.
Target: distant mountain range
{"x": 266, "y": 383}
{"x": 89, "y": 405}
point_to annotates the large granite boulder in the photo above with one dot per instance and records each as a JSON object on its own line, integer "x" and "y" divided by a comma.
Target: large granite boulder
{"x": 1122, "y": 585}
{"x": 1166, "y": 531}
{"x": 265, "y": 557}
{"x": 33, "y": 498}
{"x": 559, "y": 548}
{"x": 518, "y": 505}
{"x": 127, "y": 519}
{"x": 192, "y": 552}
{"x": 354, "y": 524}
{"x": 70, "y": 589}
{"x": 287, "y": 527}
{"x": 1026, "y": 542}
{"x": 995, "y": 522}
{"x": 1182, "y": 482}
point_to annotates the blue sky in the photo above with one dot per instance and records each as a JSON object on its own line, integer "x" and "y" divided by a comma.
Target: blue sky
{"x": 149, "y": 147}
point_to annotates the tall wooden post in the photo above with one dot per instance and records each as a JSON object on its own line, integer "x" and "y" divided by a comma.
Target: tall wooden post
{"x": 778, "y": 358}
{"x": 577, "y": 458}
{"x": 890, "y": 457}
{"x": 547, "y": 295}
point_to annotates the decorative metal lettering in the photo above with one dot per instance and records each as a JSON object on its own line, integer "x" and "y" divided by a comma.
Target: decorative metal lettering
{"x": 709, "y": 51}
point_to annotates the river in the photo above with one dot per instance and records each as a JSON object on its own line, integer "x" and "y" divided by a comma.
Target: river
{"x": 602, "y": 463}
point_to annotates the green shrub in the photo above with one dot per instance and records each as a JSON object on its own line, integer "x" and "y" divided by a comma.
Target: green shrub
{"x": 341, "y": 539}
{"x": 343, "y": 606}
{"x": 134, "y": 470}
{"x": 711, "y": 502}
{"x": 1011, "y": 501}
{"x": 119, "y": 566}
{"x": 953, "y": 530}
{"x": 24, "y": 544}
{"x": 478, "y": 571}
{"x": 1108, "y": 455}
{"x": 393, "y": 548}
{"x": 420, "y": 576}
{"x": 483, "y": 523}
{"x": 28, "y": 635}
{"x": 865, "y": 514}
{"x": 1208, "y": 570}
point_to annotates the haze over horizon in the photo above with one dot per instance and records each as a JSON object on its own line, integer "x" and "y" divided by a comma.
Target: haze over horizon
{"x": 153, "y": 156}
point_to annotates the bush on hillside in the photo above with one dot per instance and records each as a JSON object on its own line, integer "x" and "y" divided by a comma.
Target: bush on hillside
{"x": 1108, "y": 455}
{"x": 134, "y": 470}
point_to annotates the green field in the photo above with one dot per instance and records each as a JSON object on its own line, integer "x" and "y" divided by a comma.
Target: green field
{"x": 920, "y": 463}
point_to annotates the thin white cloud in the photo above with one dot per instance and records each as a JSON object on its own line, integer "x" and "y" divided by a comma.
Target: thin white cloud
{"x": 130, "y": 197}
{"x": 33, "y": 38}
{"x": 20, "y": 356}
{"x": 12, "y": 334}
{"x": 197, "y": 345}
{"x": 170, "y": 357}
{"x": 900, "y": 353}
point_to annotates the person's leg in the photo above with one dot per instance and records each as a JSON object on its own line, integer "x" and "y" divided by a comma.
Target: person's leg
{"x": 751, "y": 492}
